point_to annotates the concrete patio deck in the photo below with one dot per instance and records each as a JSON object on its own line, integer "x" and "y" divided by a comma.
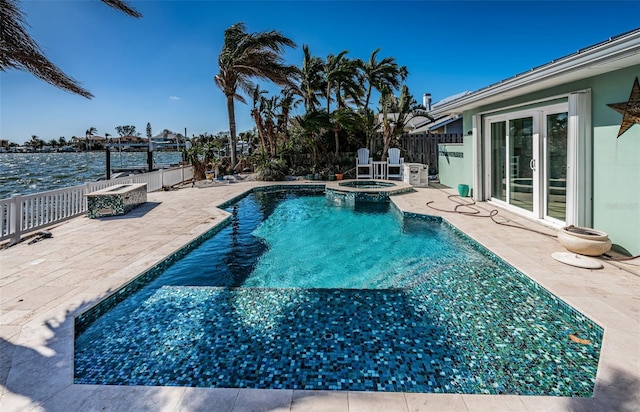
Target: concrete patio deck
{"x": 43, "y": 285}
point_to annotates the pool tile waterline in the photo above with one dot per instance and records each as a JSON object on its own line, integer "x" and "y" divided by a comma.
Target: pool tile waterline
{"x": 443, "y": 335}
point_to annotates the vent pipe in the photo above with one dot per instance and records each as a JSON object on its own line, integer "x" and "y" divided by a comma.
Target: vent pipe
{"x": 426, "y": 101}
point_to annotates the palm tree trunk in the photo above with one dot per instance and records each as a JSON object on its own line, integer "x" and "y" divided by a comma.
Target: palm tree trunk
{"x": 232, "y": 129}
{"x": 386, "y": 142}
{"x": 261, "y": 132}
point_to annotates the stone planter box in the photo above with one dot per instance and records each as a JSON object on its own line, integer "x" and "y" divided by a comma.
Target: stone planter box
{"x": 116, "y": 200}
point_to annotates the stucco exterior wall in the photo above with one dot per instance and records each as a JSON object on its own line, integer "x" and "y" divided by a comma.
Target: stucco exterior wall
{"x": 616, "y": 161}
{"x": 454, "y": 164}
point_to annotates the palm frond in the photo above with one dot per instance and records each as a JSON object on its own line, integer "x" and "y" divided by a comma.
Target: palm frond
{"x": 123, "y": 7}
{"x": 18, "y": 50}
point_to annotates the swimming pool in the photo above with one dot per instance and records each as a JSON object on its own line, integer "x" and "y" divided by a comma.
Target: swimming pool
{"x": 441, "y": 324}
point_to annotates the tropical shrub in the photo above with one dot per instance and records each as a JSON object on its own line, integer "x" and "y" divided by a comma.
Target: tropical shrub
{"x": 272, "y": 170}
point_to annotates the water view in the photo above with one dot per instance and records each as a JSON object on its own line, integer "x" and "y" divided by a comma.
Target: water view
{"x": 27, "y": 173}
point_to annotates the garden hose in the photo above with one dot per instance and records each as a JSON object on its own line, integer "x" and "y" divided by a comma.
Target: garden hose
{"x": 494, "y": 212}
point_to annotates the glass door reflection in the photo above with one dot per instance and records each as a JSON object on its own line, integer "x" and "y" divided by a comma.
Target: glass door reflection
{"x": 521, "y": 163}
{"x": 556, "y": 170}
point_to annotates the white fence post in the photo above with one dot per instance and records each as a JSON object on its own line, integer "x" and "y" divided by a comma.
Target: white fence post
{"x": 15, "y": 218}
{"x": 85, "y": 201}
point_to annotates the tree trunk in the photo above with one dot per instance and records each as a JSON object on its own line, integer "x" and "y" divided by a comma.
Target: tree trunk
{"x": 261, "y": 133}
{"x": 336, "y": 134}
{"x": 273, "y": 138}
{"x": 386, "y": 142}
{"x": 232, "y": 130}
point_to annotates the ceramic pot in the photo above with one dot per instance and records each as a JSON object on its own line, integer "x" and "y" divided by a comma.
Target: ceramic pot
{"x": 463, "y": 190}
{"x": 584, "y": 241}
{"x": 339, "y": 176}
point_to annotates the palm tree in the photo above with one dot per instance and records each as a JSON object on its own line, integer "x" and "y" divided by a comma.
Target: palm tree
{"x": 384, "y": 76}
{"x": 312, "y": 81}
{"x": 395, "y": 113}
{"x": 256, "y": 113}
{"x": 245, "y": 56}
{"x": 271, "y": 116}
{"x": 337, "y": 70}
{"x": 381, "y": 74}
{"x": 90, "y": 132}
{"x": 344, "y": 118}
{"x": 287, "y": 103}
{"x": 35, "y": 142}
{"x": 19, "y": 51}
{"x": 342, "y": 80}
{"x": 313, "y": 124}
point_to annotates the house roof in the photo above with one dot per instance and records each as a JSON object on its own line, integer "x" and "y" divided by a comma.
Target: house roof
{"x": 412, "y": 121}
{"x": 615, "y": 53}
{"x": 429, "y": 125}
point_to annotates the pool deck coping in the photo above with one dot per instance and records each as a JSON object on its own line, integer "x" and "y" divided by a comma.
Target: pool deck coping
{"x": 44, "y": 285}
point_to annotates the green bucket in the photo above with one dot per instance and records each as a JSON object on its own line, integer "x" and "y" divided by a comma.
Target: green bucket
{"x": 463, "y": 190}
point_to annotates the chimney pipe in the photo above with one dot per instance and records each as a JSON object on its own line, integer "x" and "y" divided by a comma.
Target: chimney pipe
{"x": 426, "y": 101}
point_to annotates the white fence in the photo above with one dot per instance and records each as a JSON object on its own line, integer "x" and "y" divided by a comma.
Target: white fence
{"x": 22, "y": 214}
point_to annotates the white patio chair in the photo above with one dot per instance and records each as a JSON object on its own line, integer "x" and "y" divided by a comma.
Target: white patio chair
{"x": 364, "y": 164}
{"x": 395, "y": 164}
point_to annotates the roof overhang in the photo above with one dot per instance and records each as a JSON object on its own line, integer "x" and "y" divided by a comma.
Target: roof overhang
{"x": 428, "y": 126}
{"x": 614, "y": 54}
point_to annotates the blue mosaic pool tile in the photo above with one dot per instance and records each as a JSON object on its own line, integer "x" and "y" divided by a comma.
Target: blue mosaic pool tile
{"x": 369, "y": 340}
{"x": 466, "y": 328}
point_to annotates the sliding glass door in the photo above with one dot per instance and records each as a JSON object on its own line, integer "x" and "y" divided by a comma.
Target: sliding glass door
{"x": 527, "y": 161}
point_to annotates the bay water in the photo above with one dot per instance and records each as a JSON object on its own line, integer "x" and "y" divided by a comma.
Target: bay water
{"x": 26, "y": 173}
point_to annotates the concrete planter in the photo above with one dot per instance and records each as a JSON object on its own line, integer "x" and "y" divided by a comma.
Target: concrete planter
{"x": 584, "y": 241}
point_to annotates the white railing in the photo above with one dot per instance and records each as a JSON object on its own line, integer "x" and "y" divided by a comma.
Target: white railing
{"x": 21, "y": 214}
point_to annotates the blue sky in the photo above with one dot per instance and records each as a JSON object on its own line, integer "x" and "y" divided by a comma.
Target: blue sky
{"x": 160, "y": 68}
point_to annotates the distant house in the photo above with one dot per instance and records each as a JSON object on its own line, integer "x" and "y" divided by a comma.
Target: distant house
{"x": 559, "y": 143}
{"x": 168, "y": 139}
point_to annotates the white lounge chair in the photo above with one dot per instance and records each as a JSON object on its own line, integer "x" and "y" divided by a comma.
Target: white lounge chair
{"x": 395, "y": 164}
{"x": 364, "y": 165}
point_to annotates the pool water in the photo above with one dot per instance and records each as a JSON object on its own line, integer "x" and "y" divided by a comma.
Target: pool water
{"x": 298, "y": 294}
{"x": 303, "y": 242}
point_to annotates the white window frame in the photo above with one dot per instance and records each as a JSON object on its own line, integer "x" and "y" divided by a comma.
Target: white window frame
{"x": 534, "y": 114}
{"x": 548, "y": 110}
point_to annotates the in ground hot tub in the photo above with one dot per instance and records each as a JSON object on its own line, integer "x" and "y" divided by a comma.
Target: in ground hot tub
{"x": 349, "y": 192}
{"x": 116, "y": 200}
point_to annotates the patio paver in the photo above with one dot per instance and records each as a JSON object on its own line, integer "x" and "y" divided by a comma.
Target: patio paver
{"x": 43, "y": 285}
